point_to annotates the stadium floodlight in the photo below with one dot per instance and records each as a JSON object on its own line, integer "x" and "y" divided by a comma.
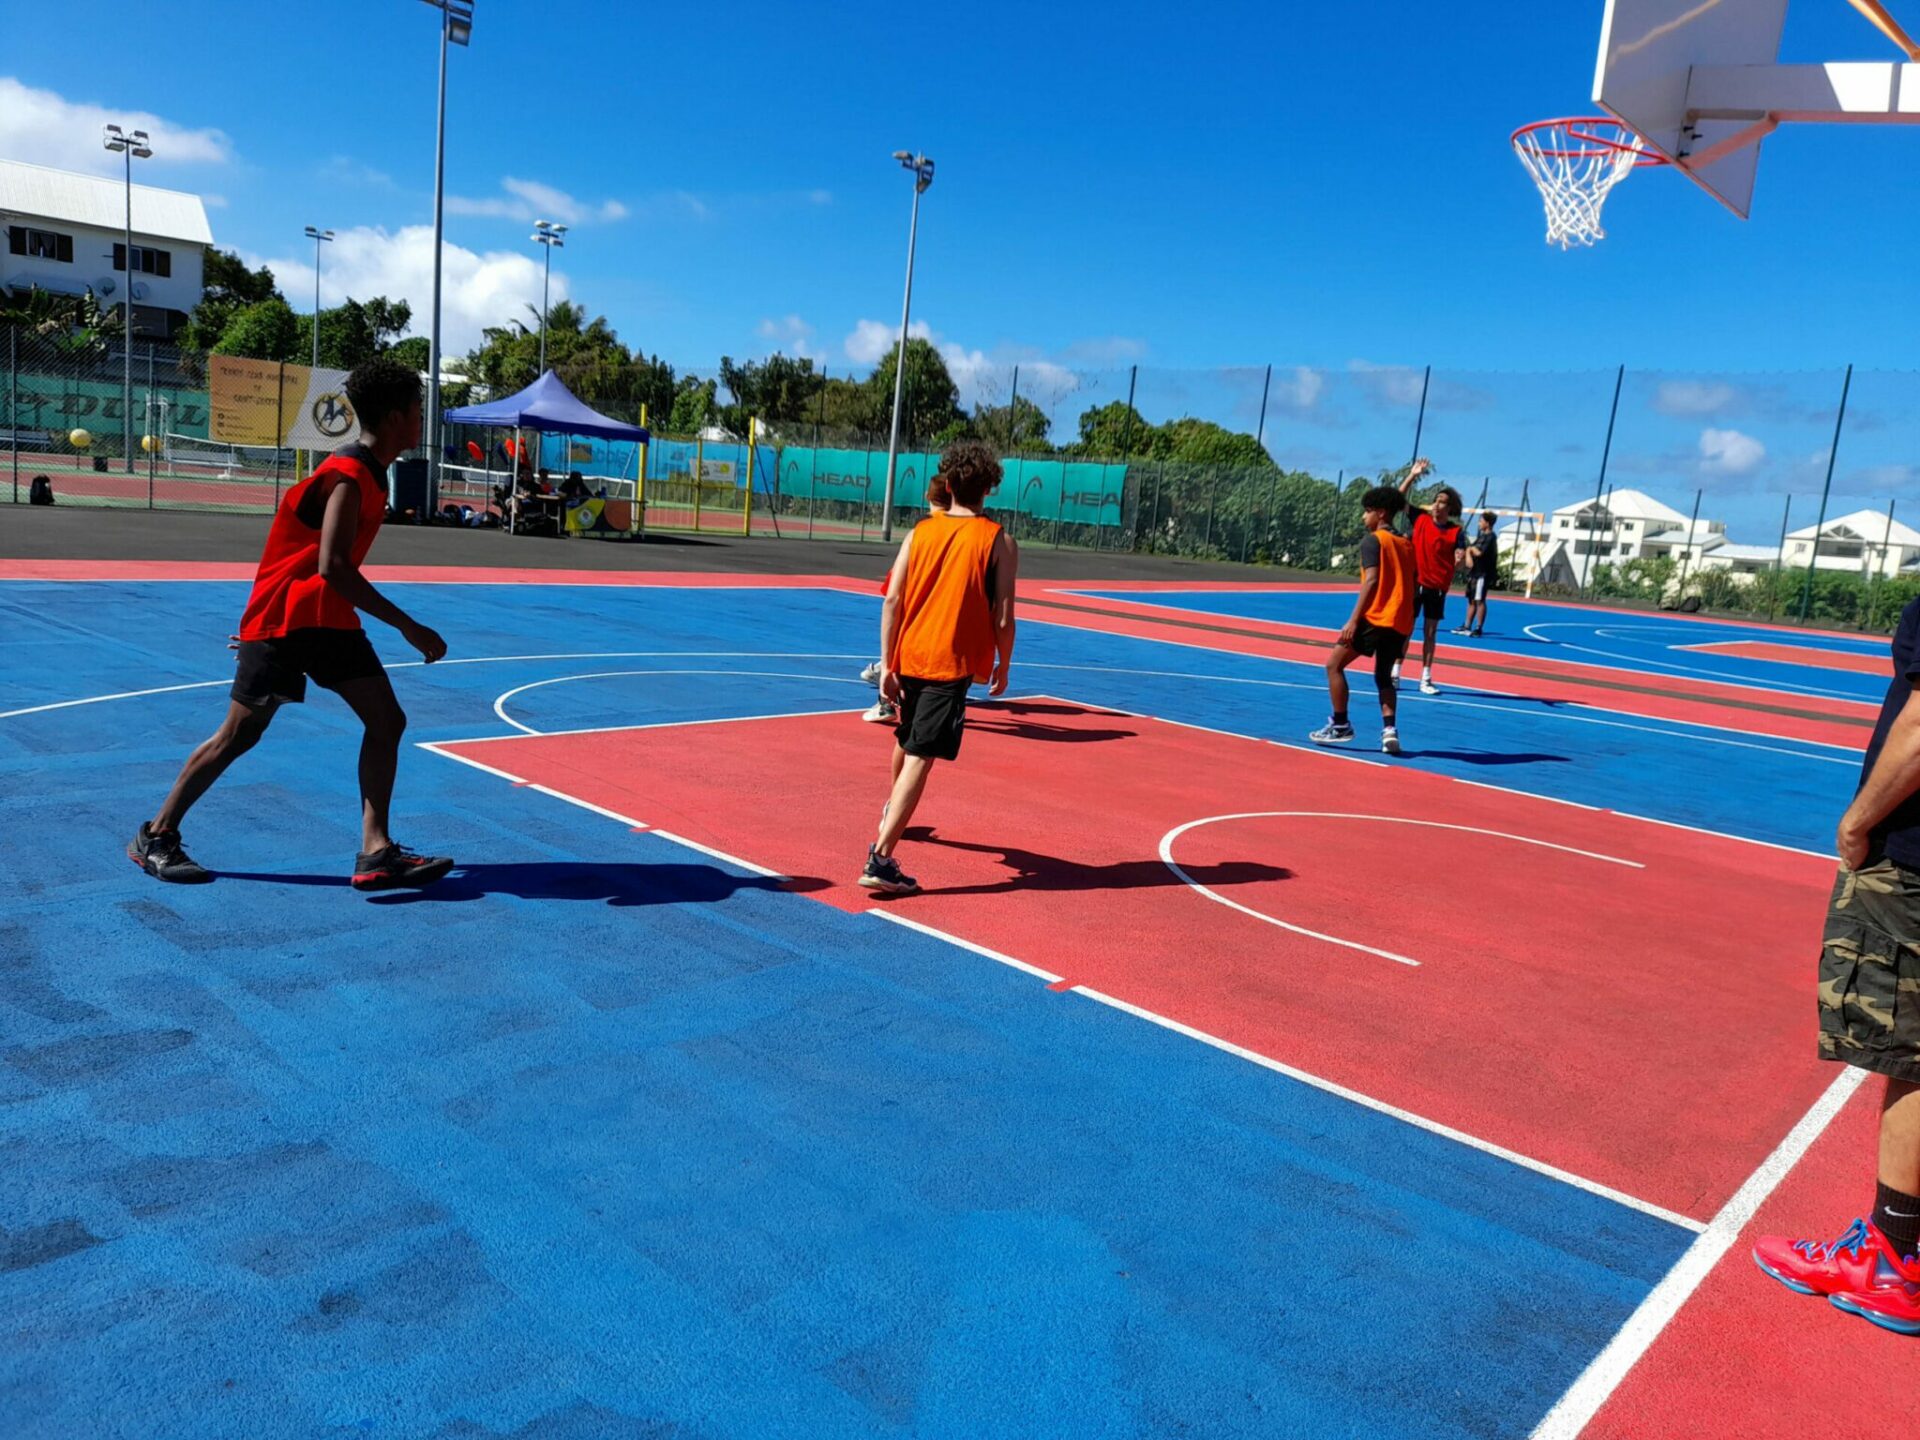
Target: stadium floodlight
{"x": 456, "y": 28}
{"x": 135, "y": 145}
{"x": 551, "y": 237}
{"x": 922, "y": 169}
{"x": 318, "y": 237}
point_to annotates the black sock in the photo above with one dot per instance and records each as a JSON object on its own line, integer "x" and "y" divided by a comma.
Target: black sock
{"x": 1339, "y": 717}
{"x": 1898, "y": 1217}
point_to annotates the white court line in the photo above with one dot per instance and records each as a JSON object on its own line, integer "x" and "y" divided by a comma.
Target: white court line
{"x": 626, "y": 820}
{"x": 1603, "y": 1376}
{"x": 1718, "y": 678}
{"x": 1166, "y": 858}
{"x": 899, "y": 919}
{"x": 500, "y": 704}
{"x": 719, "y": 854}
{"x": 464, "y": 660}
{"x": 649, "y": 725}
{"x": 434, "y": 746}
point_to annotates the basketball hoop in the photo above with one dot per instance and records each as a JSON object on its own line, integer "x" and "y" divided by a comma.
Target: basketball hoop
{"x": 1576, "y": 162}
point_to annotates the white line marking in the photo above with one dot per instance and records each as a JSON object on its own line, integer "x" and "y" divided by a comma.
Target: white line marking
{"x": 1642, "y": 665}
{"x": 1680, "y": 825}
{"x": 995, "y": 955}
{"x": 1166, "y": 858}
{"x": 626, "y": 820}
{"x": 1419, "y": 1122}
{"x": 434, "y": 746}
{"x": 1603, "y": 1376}
{"x": 721, "y": 855}
{"x": 649, "y": 725}
{"x": 500, "y": 704}
{"x": 466, "y": 660}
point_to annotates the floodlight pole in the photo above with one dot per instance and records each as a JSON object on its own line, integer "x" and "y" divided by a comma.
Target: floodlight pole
{"x": 922, "y": 169}
{"x": 550, "y": 237}
{"x": 129, "y": 145}
{"x": 456, "y": 27}
{"x": 318, "y": 237}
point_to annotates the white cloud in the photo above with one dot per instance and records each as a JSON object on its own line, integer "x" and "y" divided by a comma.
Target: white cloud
{"x": 870, "y": 340}
{"x": 789, "y": 334}
{"x": 345, "y": 170}
{"x": 477, "y": 290}
{"x": 43, "y": 128}
{"x": 1694, "y": 397}
{"x": 214, "y": 202}
{"x": 980, "y": 378}
{"x": 1296, "y": 390}
{"x": 1397, "y": 384}
{"x": 1729, "y": 453}
{"x": 530, "y": 200}
{"x": 1106, "y": 350}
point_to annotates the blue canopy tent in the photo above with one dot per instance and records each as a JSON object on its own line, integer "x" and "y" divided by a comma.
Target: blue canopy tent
{"x": 547, "y": 407}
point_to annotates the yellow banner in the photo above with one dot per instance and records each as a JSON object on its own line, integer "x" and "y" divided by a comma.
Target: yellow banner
{"x": 252, "y": 402}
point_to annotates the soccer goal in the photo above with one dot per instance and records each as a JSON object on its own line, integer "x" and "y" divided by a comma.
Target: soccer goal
{"x": 1522, "y": 540}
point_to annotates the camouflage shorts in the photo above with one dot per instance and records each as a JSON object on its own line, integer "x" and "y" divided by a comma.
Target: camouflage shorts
{"x": 1870, "y": 971}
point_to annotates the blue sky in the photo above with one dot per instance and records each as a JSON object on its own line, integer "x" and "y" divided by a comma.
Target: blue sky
{"x": 1327, "y": 189}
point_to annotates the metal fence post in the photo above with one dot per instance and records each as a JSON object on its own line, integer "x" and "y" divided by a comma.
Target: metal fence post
{"x": 1686, "y": 557}
{"x": 13, "y": 404}
{"x": 1333, "y": 516}
{"x": 1600, "y": 488}
{"x": 1833, "y": 452}
{"x": 1420, "y": 421}
{"x": 279, "y": 421}
{"x": 1886, "y": 543}
{"x": 1779, "y": 559}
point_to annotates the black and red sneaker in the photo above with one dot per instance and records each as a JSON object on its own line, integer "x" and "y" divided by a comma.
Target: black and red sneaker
{"x": 397, "y": 866}
{"x": 158, "y": 853}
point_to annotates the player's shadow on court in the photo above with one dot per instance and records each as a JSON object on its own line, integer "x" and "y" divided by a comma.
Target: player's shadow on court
{"x": 1034, "y": 871}
{"x": 1016, "y": 718}
{"x": 1489, "y": 757}
{"x": 669, "y": 883}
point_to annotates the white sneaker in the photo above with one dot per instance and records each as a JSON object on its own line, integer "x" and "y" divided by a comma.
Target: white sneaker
{"x": 1427, "y": 687}
{"x": 871, "y": 675}
{"x": 881, "y": 713}
{"x": 1390, "y": 740}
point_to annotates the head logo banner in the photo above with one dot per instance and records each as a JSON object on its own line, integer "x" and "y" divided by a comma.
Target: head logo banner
{"x": 267, "y": 402}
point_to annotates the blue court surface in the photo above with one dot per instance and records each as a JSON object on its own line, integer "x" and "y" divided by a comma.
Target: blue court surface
{"x": 1656, "y": 644}
{"x": 607, "y": 1137}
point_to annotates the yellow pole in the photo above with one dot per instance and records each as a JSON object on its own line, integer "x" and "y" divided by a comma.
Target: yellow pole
{"x": 699, "y": 475}
{"x": 640, "y": 479}
{"x": 746, "y": 503}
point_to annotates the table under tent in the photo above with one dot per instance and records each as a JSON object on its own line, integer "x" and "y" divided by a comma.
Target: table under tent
{"x": 547, "y": 408}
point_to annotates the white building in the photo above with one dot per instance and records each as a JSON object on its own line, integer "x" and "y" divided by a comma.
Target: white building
{"x": 1621, "y": 528}
{"x": 66, "y": 233}
{"x": 1865, "y": 543}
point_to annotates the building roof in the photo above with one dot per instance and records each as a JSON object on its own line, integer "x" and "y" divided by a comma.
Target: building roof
{"x": 1746, "y": 552}
{"x": 1706, "y": 534}
{"x": 1867, "y": 525}
{"x": 1631, "y": 505}
{"x": 38, "y": 193}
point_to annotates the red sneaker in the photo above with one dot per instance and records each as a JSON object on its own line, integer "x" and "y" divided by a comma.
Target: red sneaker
{"x": 1894, "y": 1307}
{"x": 1861, "y": 1262}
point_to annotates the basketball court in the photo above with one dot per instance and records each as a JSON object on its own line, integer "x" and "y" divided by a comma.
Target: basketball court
{"x": 1217, "y": 1084}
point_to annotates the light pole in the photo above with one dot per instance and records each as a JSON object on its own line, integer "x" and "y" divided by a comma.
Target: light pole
{"x": 317, "y": 236}
{"x": 922, "y": 169}
{"x": 551, "y": 237}
{"x": 456, "y": 28}
{"x": 134, "y": 145}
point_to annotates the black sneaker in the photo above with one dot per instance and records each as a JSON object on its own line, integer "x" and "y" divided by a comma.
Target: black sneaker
{"x": 883, "y": 873}
{"x": 158, "y": 853}
{"x": 397, "y": 866}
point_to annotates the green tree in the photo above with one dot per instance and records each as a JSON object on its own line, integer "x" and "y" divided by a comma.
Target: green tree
{"x": 694, "y": 406}
{"x": 1107, "y": 432}
{"x": 228, "y": 288}
{"x": 353, "y": 332}
{"x": 411, "y": 352}
{"x": 777, "y": 391}
{"x": 1019, "y": 429}
{"x": 931, "y": 401}
{"x": 265, "y": 330}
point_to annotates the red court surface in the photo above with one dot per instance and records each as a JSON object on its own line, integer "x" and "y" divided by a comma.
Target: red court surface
{"x": 1621, "y": 1000}
{"x": 1796, "y": 655}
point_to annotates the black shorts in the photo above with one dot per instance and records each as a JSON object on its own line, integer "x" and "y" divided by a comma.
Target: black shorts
{"x": 1387, "y": 647}
{"x": 270, "y": 672}
{"x": 1430, "y": 603}
{"x": 932, "y": 715}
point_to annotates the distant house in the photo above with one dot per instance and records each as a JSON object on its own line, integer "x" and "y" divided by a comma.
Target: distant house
{"x": 1865, "y": 543}
{"x": 1617, "y": 528}
{"x": 66, "y": 234}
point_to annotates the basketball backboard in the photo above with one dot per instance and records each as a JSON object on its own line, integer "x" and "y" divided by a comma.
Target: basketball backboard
{"x": 1649, "y": 50}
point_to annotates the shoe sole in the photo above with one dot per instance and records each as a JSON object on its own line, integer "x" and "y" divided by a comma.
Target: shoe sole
{"x": 1390, "y": 747}
{"x": 1337, "y": 740}
{"x": 202, "y": 878}
{"x": 1796, "y": 1286}
{"x": 886, "y": 887}
{"x": 1886, "y": 1322}
{"x": 426, "y": 875}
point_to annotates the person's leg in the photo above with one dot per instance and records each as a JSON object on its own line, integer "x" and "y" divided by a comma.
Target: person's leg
{"x": 1389, "y": 692}
{"x": 1897, "y": 1209}
{"x": 372, "y": 699}
{"x": 1426, "y": 643}
{"x": 910, "y": 774}
{"x": 238, "y": 733}
{"x": 1338, "y": 692}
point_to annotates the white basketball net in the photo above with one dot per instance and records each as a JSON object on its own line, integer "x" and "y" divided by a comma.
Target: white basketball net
{"x": 1576, "y": 164}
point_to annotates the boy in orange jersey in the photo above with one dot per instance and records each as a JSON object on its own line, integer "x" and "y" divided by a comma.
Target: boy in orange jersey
{"x": 883, "y": 710}
{"x": 1382, "y": 620}
{"x": 947, "y": 622}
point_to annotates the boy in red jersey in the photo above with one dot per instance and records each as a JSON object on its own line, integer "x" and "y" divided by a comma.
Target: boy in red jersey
{"x": 1438, "y": 547}
{"x": 302, "y": 622}
{"x": 947, "y": 622}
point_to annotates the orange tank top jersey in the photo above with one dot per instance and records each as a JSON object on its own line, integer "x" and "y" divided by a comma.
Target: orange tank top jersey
{"x": 288, "y": 593}
{"x": 946, "y": 631}
{"x": 1392, "y": 554}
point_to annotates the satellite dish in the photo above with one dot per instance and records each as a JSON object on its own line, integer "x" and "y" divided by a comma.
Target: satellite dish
{"x": 104, "y": 285}
{"x": 139, "y": 289}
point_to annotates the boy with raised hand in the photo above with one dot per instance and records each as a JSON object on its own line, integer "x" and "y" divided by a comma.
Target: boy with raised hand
{"x": 1438, "y": 544}
{"x": 1381, "y": 623}
{"x": 947, "y": 621}
{"x": 302, "y": 622}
